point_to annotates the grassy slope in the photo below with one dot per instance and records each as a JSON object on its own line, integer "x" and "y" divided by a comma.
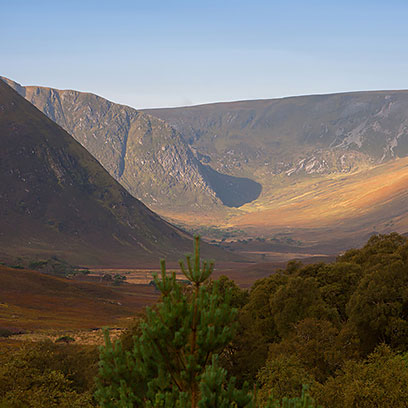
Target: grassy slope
{"x": 342, "y": 197}
{"x": 378, "y": 193}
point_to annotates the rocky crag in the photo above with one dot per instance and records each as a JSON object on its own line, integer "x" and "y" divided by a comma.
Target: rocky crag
{"x": 56, "y": 199}
{"x": 145, "y": 154}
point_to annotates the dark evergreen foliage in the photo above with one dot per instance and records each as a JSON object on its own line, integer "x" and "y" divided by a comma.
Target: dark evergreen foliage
{"x": 174, "y": 360}
{"x": 341, "y": 328}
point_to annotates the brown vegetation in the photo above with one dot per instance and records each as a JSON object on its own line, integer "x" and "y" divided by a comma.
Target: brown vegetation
{"x": 33, "y": 301}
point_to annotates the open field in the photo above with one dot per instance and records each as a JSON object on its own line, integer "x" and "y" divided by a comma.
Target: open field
{"x": 32, "y": 301}
{"x": 133, "y": 276}
{"x": 144, "y": 276}
{"x": 81, "y": 337}
{"x": 36, "y": 306}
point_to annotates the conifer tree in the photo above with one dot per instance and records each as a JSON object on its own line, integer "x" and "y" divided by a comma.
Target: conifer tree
{"x": 174, "y": 361}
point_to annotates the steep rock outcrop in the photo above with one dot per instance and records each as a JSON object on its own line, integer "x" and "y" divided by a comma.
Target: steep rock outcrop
{"x": 146, "y": 155}
{"x": 56, "y": 199}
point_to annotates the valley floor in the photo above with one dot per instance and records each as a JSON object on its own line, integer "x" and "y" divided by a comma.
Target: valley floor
{"x": 316, "y": 215}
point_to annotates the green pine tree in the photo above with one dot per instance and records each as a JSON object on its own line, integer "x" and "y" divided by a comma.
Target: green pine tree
{"x": 174, "y": 361}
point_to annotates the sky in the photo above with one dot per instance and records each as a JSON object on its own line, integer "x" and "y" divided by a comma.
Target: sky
{"x": 174, "y": 53}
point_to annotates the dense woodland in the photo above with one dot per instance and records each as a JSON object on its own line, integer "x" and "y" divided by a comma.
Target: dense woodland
{"x": 341, "y": 329}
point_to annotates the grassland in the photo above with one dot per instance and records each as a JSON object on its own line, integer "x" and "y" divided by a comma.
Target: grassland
{"x": 35, "y": 303}
{"x": 36, "y": 306}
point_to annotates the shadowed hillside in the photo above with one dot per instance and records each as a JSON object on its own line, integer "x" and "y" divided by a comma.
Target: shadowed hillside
{"x": 146, "y": 155}
{"x": 322, "y": 169}
{"x": 56, "y": 199}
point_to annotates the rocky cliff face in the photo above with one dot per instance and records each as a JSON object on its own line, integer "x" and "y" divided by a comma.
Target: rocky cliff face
{"x": 146, "y": 155}
{"x": 300, "y": 135}
{"x": 328, "y": 163}
{"x": 56, "y": 199}
{"x": 195, "y": 162}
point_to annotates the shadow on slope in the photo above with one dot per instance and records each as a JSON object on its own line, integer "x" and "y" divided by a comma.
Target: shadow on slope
{"x": 56, "y": 199}
{"x": 232, "y": 191}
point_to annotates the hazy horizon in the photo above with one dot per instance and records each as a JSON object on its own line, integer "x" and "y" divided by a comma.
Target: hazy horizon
{"x": 213, "y": 102}
{"x": 164, "y": 54}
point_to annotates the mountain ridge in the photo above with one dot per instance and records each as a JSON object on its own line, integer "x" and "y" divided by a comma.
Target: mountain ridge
{"x": 297, "y": 147}
{"x": 56, "y": 199}
{"x": 146, "y": 155}
{"x": 288, "y": 150}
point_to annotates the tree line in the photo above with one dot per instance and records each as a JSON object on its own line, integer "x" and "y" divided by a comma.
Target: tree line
{"x": 330, "y": 335}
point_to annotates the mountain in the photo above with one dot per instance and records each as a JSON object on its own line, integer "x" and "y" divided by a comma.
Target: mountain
{"x": 146, "y": 155}
{"x": 329, "y": 165}
{"x": 315, "y": 134}
{"x": 56, "y": 199}
{"x": 307, "y": 167}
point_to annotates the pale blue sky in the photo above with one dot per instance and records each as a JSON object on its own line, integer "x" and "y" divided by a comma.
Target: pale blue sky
{"x": 168, "y": 53}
